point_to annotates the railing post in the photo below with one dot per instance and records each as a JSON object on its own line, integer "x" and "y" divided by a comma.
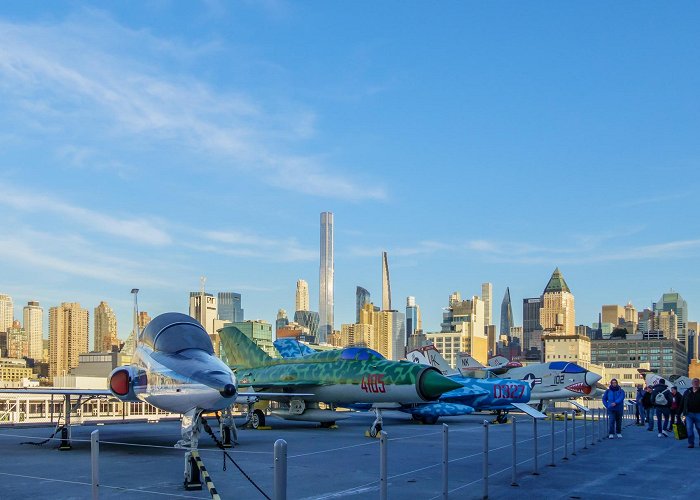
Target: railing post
{"x": 573, "y": 432}
{"x": 534, "y": 434}
{"x": 513, "y": 481}
{"x": 280, "y": 472}
{"x": 383, "y": 476}
{"x": 552, "y": 464}
{"x": 566, "y": 435}
{"x": 95, "y": 462}
{"x": 585, "y": 430}
{"x": 486, "y": 460}
{"x": 445, "y": 461}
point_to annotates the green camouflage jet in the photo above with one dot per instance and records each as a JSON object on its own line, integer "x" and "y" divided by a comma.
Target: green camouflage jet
{"x": 341, "y": 377}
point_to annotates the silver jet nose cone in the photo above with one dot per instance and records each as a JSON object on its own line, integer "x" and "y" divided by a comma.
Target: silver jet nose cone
{"x": 592, "y": 378}
{"x": 228, "y": 391}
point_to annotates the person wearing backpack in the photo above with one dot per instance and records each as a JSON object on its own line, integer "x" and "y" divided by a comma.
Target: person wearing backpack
{"x": 648, "y": 406}
{"x": 661, "y": 397}
{"x": 691, "y": 410}
{"x": 614, "y": 401}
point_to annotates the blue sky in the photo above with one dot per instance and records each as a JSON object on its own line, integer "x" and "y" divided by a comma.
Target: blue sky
{"x": 145, "y": 144}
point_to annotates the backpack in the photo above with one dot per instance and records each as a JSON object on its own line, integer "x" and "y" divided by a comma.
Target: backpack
{"x": 661, "y": 399}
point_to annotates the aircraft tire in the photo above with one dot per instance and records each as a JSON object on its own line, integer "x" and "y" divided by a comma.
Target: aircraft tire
{"x": 502, "y": 419}
{"x": 327, "y": 425}
{"x": 258, "y": 419}
{"x": 430, "y": 419}
{"x": 375, "y": 430}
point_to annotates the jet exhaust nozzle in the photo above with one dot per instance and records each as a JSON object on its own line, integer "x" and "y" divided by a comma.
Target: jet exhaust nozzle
{"x": 432, "y": 384}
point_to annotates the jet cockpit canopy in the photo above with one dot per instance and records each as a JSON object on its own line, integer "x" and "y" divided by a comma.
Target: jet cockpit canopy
{"x": 174, "y": 332}
{"x": 360, "y": 354}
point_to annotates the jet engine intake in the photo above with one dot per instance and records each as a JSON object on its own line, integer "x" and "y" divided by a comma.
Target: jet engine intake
{"x": 122, "y": 381}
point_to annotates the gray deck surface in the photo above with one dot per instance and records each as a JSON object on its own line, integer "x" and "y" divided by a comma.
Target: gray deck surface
{"x": 342, "y": 463}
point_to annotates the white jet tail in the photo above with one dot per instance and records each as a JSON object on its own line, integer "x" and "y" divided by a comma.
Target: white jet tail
{"x": 429, "y": 355}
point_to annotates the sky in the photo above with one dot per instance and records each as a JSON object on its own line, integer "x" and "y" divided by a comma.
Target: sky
{"x": 144, "y": 144}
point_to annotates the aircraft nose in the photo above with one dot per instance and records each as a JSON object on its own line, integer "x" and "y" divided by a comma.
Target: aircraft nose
{"x": 592, "y": 378}
{"x": 432, "y": 384}
{"x": 228, "y": 391}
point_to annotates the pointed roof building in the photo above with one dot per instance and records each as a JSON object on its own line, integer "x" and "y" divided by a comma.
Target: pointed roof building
{"x": 556, "y": 283}
{"x": 557, "y": 314}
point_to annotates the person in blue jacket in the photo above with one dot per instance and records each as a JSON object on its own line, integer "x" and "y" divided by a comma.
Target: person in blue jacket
{"x": 614, "y": 401}
{"x": 639, "y": 410}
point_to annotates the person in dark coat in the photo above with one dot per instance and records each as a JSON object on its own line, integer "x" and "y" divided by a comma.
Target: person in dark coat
{"x": 648, "y": 408}
{"x": 661, "y": 398}
{"x": 691, "y": 410}
{"x": 676, "y": 407}
{"x": 639, "y": 408}
{"x": 614, "y": 401}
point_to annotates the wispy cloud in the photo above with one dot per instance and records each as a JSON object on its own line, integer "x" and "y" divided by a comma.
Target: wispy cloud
{"x": 242, "y": 244}
{"x": 112, "y": 90}
{"x": 421, "y": 247}
{"x": 129, "y": 227}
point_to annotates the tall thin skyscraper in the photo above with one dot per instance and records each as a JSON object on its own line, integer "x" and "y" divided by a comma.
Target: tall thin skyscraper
{"x": 33, "y": 317}
{"x": 229, "y": 306}
{"x": 386, "y": 283}
{"x": 325, "y": 295}
{"x": 412, "y": 315}
{"x": 362, "y": 297}
{"x": 68, "y": 337}
{"x": 105, "y": 328}
{"x": 487, "y": 297}
{"x": 531, "y": 319}
{"x": 302, "y": 298}
{"x": 506, "y": 314}
{"x": 6, "y": 312}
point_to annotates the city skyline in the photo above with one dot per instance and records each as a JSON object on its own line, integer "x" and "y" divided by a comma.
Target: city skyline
{"x": 401, "y": 129}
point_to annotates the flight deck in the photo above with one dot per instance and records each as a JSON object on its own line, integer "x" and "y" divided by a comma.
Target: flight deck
{"x": 343, "y": 463}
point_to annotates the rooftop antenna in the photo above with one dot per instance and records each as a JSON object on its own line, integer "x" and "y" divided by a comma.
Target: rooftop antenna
{"x": 135, "y": 292}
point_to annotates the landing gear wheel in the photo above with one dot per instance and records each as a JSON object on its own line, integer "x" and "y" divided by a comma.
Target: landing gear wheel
{"x": 417, "y": 418}
{"x": 258, "y": 419}
{"x": 502, "y": 418}
{"x": 430, "y": 419}
{"x": 327, "y": 425}
{"x": 375, "y": 430}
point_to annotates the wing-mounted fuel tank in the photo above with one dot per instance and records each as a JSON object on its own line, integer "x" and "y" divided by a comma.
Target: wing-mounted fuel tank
{"x": 123, "y": 381}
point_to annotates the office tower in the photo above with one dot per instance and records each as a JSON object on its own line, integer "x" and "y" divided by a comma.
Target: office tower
{"x": 357, "y": 334}
{"x": 613, "y": 314}
{"x": 258, "y": 331}
{"x": 302, "y": 298}
{"x": 282, "y": 320}
{"x": 462, "y": 329}
{"x": 229, "y": 306}
{"x": 386, "y": 283}
{"x": 673, "y": 301}
{"x": 309, "y": 320}
{"x": 105, "y": 328}
{"x": 668, "y": 323}
{"x": 143, "y": 320}
{"x": 487, "y": 297}
{"x": 389, "y": 329}
{"x": 68, "y": 337}
{"x": 531, "y": 320}
{"x": 33, "y": 316}
{"x": 412, "y": 316}
{"x": 17, "y": 342}
{"x": 506, "y": 314}
{"x": 7, "y": 314}
{"x": 362, "y": 297}
{"x": 646, "y": 320}
{"x": 557, "y": 314}
{"x": 325, "y": 297}
{"x": 207, "y": 314}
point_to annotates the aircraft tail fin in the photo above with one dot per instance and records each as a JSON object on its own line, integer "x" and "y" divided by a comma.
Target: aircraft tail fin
{"x": 498, "y": 361}
{"x": 465, "y": 363}
{"x": 239, "y": 351}
{"x": 429, "y": 355}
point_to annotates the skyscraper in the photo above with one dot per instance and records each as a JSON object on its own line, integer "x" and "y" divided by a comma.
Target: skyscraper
{"x": 362, "y": 297}
{"x": 230, "y": 306}
{"x": 33, "y": 317}
{"x": 386, "y": 283}
{"x": 506, "y": 314}
{"x": 282, "y": 320}
{"x": 672, "y": 301}
{"x": 105, "y": 328}
{"x": 68, "y": 337}
{"x": 325, "y": 297}
{"x": 411, "y": 316}
{"x": 557, "y": 314}
{"x": 308, "y": 319}
{"x": 302, "y": 296}
{"x": 531, "y": 321}
{"x": 203, "y": 308}
{"x": 487, "y": 297}
{"x": 7, "y": 313}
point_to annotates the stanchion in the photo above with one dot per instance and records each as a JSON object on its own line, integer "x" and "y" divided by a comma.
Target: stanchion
{"x": 280, "y": 472}
{"x": 552, "y": 464}
{"x": 573, "y": 433}
{"x": 585, "y": 430}
{"x": 445, "y": 461}
{"x": 513, "y": 481}
{"x": 486, "y": 460}
{"x": 593, "y": 427}
{"x": 534, "y": 433}
{"x": 95, "y": 461}
{"x": 383, "y": 479}
{"x": 566, "y": 435}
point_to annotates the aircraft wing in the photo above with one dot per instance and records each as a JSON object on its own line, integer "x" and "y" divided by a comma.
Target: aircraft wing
{"x": 579, "y": 406}
{"x": 529, "y": 410}
{"x": 60, "y": 392}
{"x": 254, "y": 397}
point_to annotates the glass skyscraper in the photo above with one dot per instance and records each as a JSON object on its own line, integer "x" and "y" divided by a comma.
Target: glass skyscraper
{"x": 309, "y": 319}
{"x": 230, "y": 307}
{"x": 531, "y": 319}
{"x": 362, "y": 297}
{"x": 325, "y": 296}
{"x": 411, "y": 316}
{"x": 506, "y": 314}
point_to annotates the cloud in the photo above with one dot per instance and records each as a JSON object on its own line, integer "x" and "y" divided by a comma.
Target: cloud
{"x": 243, "y": 244}
{"x": 130, "y": 228}
{"x": 113, "y": 87}
{"x": 422, "y": 247}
